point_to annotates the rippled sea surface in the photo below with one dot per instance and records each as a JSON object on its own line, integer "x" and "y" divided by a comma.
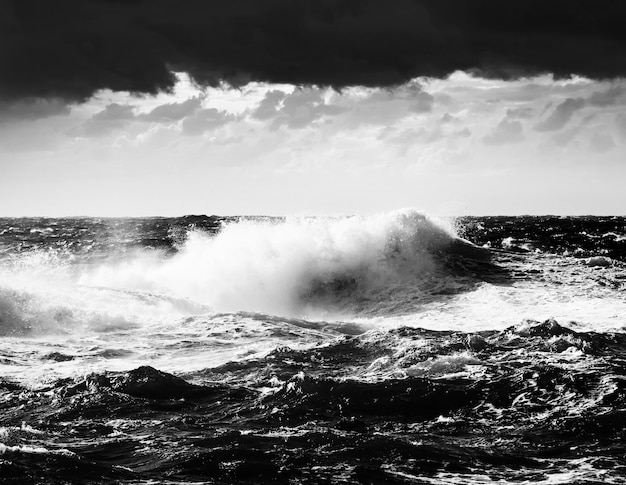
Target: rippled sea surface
{"x": 387, "y": 349}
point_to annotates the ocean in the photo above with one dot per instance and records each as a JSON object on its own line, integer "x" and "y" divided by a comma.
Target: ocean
{"x": 387, "y": 349}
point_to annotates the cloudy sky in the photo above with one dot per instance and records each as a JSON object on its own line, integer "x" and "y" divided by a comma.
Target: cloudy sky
{"x": 166, "y": 107}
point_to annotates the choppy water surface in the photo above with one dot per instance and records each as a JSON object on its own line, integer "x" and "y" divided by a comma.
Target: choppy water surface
{"x": 386, "y": 349}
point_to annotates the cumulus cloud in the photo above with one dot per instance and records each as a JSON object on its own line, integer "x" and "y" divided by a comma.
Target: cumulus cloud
{"x": 447, "y": 118}
{"x": 115, "y": 112}
{"x": 423, "y": 103}
{"x": 112, "y": 117}
{"x": 385, "y": 106}
{"x": 206, "y": 120}
{"x": 611, "y": 96}
{"x": 174, "y": 111}
{"x": 507, "y": 131}
{"x": 561, "y": 115}
{"x": 72, "y": 49}
{"x": 299, "y": 109}
{"x": 269, "y": 106}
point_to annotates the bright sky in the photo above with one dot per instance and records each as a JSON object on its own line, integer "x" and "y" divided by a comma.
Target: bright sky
{"x": 462, "y": 145}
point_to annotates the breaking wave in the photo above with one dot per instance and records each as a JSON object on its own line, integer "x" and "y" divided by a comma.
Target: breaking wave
{"x": 293, "y": 267}
{"x": 311, "y": 268}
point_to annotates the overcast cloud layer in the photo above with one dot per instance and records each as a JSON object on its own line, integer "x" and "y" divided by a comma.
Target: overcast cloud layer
{"x": 70, "y": 49}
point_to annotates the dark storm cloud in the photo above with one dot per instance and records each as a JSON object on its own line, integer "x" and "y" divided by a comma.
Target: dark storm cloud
{"x": 71, "y": 48}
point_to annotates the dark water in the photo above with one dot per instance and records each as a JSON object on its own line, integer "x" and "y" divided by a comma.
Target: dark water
{"x": 137, "y": 351}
